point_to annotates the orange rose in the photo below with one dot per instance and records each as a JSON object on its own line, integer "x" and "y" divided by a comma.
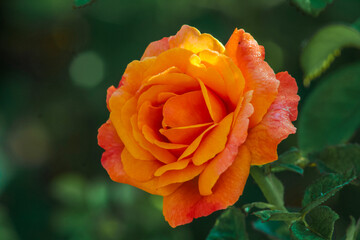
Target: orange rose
{"x": 189, "y": 119}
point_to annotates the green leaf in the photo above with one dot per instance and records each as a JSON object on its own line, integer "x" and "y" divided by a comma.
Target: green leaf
{"x": 343, "y": 159}
{"x": 260, "y": 205}
{"x": 352, "y": 232}
{"x": 277, "y": 215}
{"x": 324, "y": 46}
{"x": 318, "y": 225}
{"x": 229, "y": 226}
{"x": 311, "y": 7}
{"x": 300, "y": 232}
{"x": 324, "y": 188}
{"x": 291, "y": 160}
{"x": 270, "y": 185}
{"x": 321, "y": 220}
{"x": 82, "y": 3}
{"x": 331, "y": 113}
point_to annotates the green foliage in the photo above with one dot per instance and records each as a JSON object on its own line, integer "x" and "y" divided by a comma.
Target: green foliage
{"x": 331, "y": 113}
{"x": 292, "y": 160}
{"x": 260, "y": 205}
{"x": 229, "y": 226}
{"x": 343, "y": 159}
{"x": 324, "y": 46}
{"x": 82, "y": 3}
{"x": 322, "y": 189}
{"x": 321, "y": 220}
{"x": 277, "y": 215}
{"x": 352, "y": 232}
{"x": 312, "y": 7}
{"x": 318, "y": 224}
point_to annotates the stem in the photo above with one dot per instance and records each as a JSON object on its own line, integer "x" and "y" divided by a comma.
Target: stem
{"x": 270, "y": 186}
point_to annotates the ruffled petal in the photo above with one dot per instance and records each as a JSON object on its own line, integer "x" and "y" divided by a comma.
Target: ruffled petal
{"x": 249, "y": 57}
{"x": 123, "y": 108}
{"x": 186, "y": 203}
{"x": 232, "y": 76}
{"x": 223, "y": 160}
{"x": 214, "y": 104}
{"x": 161, "y": 154}
{"x": 111, "y": 161}
{"x": 276, "y": 125}
{"x": 191, "y": 39}
{"x": 180, "y": 176}
{"x": 135, "y": 74}
{"x": 214, "y": 142}
{"x": 155, "y": 48}
{"x": 186, "y": 109}
{"x": 179, "y": 165}
{"x": 184, "y": 135}
{"x": 107, "y": 136}
{"x": 195, "y": 144}
{"x": 138, "y": 170}
{"x": 109, "y": 93}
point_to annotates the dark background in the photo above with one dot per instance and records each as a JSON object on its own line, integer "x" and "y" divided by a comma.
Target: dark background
{"x": 57, "y": 63}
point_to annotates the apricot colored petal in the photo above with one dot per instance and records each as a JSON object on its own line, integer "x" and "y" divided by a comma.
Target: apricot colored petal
{"x": 164, "y": 96}
{"x": 154, "y": 138}
{"x": 249, "y": 57}
{"x": 194, "y": 145}
{"x": 134, "y": 75}
{"x": 110, "y": 92}
{"x": 224, "y": 159}
{"x": 107, "y": 136}
{"x": 161, "y": 154}
{"x": 138, "y": 169}
{"x": 214, "y": 142}
{"x": 186, "y": 203}
{"x": 180, "y": 176}
{"x": 184, "y": 135}
{"x": 123, "y": 107}
{"x": 153, "y": 92}
{"x": 176, "y": 57}
{"x": 172, "y": 76}
{"x": 209, "y": 76}
{"x": 232, "y": 76}
{"x": 214, "y": 104}
{"x": 190, "y": 38}
{"x": 155, "y": 48}
{"x": 111, "y": 161}
{"x": 186, "y": 109}
{"x": 172, "y": 166}
{"x": 149, "y": 115}
{"x": 276, "y": 125}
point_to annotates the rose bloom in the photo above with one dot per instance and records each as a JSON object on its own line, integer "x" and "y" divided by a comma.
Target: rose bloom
{"x": 189, "y": 119}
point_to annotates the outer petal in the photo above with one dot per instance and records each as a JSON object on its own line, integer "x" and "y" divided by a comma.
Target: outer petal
{"x": 263, "y": 139}
{"x": 111, "y": 161}
{"x": 191, "y": 39}
{"x": 155, "y": 48}
{"x": 249, "y": 56}
{"x": 107, "y": 136}
{"x": 138, "y": 170}
{"x": 186, "y": 203}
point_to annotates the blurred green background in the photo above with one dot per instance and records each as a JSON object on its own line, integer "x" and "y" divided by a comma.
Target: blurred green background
{"x": 58, "y": 63}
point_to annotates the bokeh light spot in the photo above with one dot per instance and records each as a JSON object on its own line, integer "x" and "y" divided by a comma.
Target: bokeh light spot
{"x": 87, "y": 69}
